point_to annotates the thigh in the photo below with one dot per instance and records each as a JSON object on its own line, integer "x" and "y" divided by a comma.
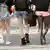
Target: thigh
{"x": 7, "y": 23}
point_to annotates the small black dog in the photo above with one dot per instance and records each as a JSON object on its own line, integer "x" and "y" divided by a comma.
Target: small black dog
{"x": 27, "y": 38}
{"x": 23, "y": 42}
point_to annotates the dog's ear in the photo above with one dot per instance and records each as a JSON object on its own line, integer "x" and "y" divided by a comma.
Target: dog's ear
{"x": 26, "y": 35}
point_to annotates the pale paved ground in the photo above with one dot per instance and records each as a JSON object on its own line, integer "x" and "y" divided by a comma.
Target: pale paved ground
{"x": 34, "y": 41}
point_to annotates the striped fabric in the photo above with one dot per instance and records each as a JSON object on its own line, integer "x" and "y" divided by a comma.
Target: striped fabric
{"x": 42, "y": 13}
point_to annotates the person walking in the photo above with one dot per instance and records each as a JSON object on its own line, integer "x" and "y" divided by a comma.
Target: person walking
{"x": 21, "y": 15}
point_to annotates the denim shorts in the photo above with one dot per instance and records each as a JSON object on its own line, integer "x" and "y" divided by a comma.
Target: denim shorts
{"x": 21, "y": 13}
{"x": 17, "y": 14}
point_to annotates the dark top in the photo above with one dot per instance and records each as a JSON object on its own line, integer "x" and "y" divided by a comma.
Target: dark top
{"x": 41, "y": 4}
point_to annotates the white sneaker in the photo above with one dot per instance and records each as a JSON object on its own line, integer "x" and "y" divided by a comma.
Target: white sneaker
{"x": 7, "y": 42}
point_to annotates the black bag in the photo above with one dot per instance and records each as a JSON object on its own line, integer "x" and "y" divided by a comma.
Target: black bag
{"x": 31, "y": 19}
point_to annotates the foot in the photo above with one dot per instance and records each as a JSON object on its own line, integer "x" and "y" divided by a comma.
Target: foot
{"x": 7, "y": 42}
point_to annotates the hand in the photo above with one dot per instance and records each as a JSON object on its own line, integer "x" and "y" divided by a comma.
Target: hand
{"x": 12, "y": 14}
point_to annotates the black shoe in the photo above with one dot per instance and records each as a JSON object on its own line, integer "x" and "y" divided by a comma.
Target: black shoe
{"x": 27, "y": 38}
{"x": 23, "y": 42}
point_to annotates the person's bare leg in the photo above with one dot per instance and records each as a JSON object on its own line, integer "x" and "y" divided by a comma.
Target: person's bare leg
{"x": 2, "y": 35}
{"x": 26, "y": 32}
{"x": 2, "y": 29}
{"x": 21, "y": 29}
{"x": 7, "y": 31}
